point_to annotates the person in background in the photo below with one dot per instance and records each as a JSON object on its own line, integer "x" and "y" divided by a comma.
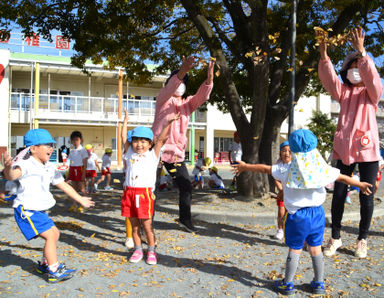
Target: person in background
{"x": 92, "y": 166}
{"x": 106, "y": 170}
{"x": 235, "y": 152}
{"x": 200, "y": 167}
{"x": 215, "y": 181}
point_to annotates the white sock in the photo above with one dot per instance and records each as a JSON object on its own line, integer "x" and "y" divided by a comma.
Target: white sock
{"x": 53, "y": 267}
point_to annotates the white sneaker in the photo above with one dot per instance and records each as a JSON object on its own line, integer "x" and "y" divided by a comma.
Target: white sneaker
{"x": 361, "y": 249}
{"x": 129, "y": 243}
{"x": 332, "y": 246}
{"x": 95, "y": 186}
{"x": 280, "y": 234}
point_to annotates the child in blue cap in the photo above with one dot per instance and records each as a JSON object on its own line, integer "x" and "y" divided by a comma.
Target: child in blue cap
{"x": 35, "y": 173}
{"x": 284, "y": 161}
{"x": 304, "y": 184}
{"x": 141, "y": 159}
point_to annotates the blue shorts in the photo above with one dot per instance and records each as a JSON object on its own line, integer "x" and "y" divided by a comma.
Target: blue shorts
{"x": 217, "y": 186}
{"x": 31, "y": 222}
{"x": 307, "y": 224}
{"x": 198, "y": 177}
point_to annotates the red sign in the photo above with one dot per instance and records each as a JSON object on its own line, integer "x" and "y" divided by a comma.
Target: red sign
{"x": 33, "y": 40}
{"x": 62, "y": 43}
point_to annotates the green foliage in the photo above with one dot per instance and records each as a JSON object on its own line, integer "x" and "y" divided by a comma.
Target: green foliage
{"x": 324, "y": 128}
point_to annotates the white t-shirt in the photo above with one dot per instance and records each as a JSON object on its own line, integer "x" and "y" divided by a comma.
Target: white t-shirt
{"x": 141, "y": 168}
{"x": 91, "y": 162}
{"x": 76, "y": 156}
{"x": 106, "y": 162}
{"x": 197, "y": 169}
{"x": 217, "y": 180}
{"x": 236, "y": 151}
{"x": 295, "y": 199}
{"x": 35, "y": 179}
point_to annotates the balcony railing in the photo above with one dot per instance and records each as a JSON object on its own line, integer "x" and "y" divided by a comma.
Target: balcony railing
{"x": 81, "y": 104}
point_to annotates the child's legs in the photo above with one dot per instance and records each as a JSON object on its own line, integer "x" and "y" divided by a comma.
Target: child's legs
{"x": 51, "y": 237}
{"x": 135, "y": 222}
{"x": 147, "y": 224}
{"x": 109, "y": 176}
{"x": 101, "y": 179}
{"x": 280, "y": 214}
{"x": 291, "y": 264}
{"x": 128, "y": 227}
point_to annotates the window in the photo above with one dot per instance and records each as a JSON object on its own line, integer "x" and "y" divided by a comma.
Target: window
{"x": 222, "y": 144}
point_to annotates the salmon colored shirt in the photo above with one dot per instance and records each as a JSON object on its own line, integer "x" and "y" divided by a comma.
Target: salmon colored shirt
{"x": 167, "y": 106}
{"x": 356, "y": 138}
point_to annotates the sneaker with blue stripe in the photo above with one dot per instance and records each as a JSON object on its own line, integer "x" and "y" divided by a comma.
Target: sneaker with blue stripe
{"x": 62, "y": 273}
{"x": 318, "y": 287}
{"x": 41, "y": 268}
{"x": 285, "y": 288}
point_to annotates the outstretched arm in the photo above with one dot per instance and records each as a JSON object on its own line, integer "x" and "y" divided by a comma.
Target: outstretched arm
{"x": 124, "y": 131}
{"x": 84, "y": 201}
{"x": 365, "y": 187}
{"x": 242, "y": 166}
{"x": 163, "y": 137}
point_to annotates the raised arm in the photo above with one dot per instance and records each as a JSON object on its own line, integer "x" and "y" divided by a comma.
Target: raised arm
{"x": 10, "y": 173}
{"x": 163, "y": 137}
{"x": 242, "y": 166}
{"x": 124, "y": 131}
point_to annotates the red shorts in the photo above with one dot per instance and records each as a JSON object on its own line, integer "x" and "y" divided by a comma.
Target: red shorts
{"x": 137, "y": 202}
{"x": 106, "y": 171}
{"x": 90, "y": 174}
{"x": 280, "y": 203}
{"x": 75, "y": 173}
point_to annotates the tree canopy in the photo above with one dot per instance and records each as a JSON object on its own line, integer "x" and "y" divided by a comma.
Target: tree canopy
{"x": 250, "y": 40}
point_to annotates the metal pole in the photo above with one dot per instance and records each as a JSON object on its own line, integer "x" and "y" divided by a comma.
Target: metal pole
{"x": 192, "y": 153}
{"x": 293, "y": 67}
{"x": 119, "y": 115}
{"x": 37, "y": 94}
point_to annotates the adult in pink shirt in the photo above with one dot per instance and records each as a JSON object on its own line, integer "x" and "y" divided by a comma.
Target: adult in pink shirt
{"x": 356, "y": 140}
{"x": 170, "y": 101}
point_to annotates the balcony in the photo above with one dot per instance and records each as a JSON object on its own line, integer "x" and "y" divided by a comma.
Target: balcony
{"x": 84, "y": 110}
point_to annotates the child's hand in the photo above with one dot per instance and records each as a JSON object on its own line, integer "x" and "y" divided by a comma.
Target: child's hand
{"x": 238, "y": 168}
{"x": 175, "y": 117}
{"x": 86, "y": 202}
{"x": 358, "y": 39}
{"x": 365, "y": 188}
{"x": 7, "y": 160}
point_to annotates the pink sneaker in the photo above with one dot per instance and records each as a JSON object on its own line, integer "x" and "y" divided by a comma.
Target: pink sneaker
{"x": 151, "y": 258}
{"x": 136, "y": 256}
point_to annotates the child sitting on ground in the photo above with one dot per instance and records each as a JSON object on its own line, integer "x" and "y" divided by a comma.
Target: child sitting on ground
{"x": 284, "y": 158}
{"x": 35, "y": 173}
{"x": 199, "y": 168}
{"x": 106, "y": 170}
{"x": 303, "y": 181}
{"x": 215, "y": 181}
{"x": 141, "y": 157}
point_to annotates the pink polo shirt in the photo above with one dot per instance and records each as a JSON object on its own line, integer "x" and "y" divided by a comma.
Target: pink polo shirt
{"x": 167, "y": 106}
{"x": 356, "y": 138}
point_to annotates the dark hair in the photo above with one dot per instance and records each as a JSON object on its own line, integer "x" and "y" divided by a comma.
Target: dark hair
{"x": 344, "y": 72}
{"x": 76, "y": 134}
{"x": 185, "y": 79}
{"x": 146, "y": 139}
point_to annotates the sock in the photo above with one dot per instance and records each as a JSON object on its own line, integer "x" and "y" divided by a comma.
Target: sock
{"x": 291, "y": 266}
{"x": 53, "y": 267}
{"x": 318, "y": 267}
{"x": 43, "y": 261}
{"x": 138, "y": 247}
{"x": 151, "y": 248}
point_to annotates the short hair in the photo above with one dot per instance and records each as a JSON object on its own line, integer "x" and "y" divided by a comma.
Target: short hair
{"x": 344, "y": 72}
{"x": 76, "y": 134}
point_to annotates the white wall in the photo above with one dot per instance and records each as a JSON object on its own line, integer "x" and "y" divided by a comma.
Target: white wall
{"x": 4, "y": 97}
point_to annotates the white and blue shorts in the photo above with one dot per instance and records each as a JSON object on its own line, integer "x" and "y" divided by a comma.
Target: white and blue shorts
{"x": 307, "y": 224}
{"x": 198, "y": 177}
{"x": 32, "y": 223}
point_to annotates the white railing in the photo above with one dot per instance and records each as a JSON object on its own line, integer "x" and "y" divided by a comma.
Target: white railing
{"x": 81, "y": 104}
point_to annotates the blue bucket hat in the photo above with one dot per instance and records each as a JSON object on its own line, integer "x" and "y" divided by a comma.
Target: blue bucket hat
{"x": 142, "y": 132}
{"x": 283, "y": 144}
{"x": 38, "y": 136}
{"x": 302, "y": 140}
